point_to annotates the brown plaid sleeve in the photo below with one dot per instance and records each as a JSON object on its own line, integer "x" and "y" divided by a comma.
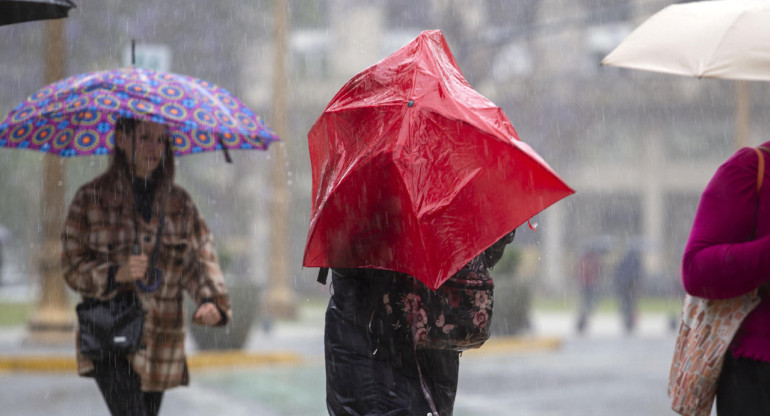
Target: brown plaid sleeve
{"x": 85, "y": 270}
{"x": 203, "y": 277}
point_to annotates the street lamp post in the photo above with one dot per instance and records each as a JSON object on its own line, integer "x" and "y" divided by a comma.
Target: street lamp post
{"x": 52, "y": 320}
{"x": 280, "y": 298}
{"x": 742, "y": 114}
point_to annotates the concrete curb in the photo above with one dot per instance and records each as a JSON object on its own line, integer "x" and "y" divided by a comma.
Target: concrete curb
{"x": 37, "y": 364}
{"x": 197, "y": 361}
{"x": 515, "y": 344}
{"x": 204, "y": 360}
{"x": 54, "y": 363}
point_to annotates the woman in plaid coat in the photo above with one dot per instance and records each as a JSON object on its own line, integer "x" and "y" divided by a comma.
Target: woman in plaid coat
{"x": 98, "y": 240}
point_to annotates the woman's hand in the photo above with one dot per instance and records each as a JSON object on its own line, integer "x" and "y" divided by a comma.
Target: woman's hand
{"x": 135, "y": 269}
{"x": 207, "y": 314}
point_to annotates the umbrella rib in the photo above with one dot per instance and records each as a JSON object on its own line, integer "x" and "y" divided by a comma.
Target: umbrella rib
{"x": 425, "y": 254}
{"x": 718, "y": 44}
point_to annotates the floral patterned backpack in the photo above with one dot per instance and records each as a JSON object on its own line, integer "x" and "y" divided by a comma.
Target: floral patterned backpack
{"x": 456, "y": 316}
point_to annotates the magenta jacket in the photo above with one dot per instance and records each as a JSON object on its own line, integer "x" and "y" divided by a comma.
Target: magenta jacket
{"x": 724, "y": 257}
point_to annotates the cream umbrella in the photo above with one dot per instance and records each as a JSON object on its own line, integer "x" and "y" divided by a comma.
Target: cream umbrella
{"x": 727, "y": 39}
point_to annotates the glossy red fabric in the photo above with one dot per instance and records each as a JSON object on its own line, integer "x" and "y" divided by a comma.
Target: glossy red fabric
{"x": 416, "y": 172}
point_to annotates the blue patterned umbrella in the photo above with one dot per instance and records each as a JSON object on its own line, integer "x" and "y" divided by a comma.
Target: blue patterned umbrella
{"x": 77, "y": 115}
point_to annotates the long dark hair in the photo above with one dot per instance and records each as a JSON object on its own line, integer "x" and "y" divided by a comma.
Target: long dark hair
{"x": 163, "y": 174}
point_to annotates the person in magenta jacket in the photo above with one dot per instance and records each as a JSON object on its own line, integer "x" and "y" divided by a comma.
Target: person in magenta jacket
{"x": 728, "y": 255}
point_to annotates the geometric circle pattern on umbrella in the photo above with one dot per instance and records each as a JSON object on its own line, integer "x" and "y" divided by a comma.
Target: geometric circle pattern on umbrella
{"x": 77, "y": 115}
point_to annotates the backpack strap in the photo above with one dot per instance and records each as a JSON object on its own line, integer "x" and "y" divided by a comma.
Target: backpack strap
{"x": 323, "y": 274}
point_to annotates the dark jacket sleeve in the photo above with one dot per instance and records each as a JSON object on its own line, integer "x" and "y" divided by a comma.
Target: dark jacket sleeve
{"x": 495, "y": 252}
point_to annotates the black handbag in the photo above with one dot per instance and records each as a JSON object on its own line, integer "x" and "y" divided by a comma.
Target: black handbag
{"x": 114, "y": 327}
{"x": 110, "y": 328}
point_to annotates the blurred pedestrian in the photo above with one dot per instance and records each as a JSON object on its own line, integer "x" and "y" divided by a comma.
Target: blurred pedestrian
{"x": 728, "y": 256}
{"x": 628, "y": 282}
{"x": 589, "y": 273}
{"x": 133, "y": 201}
{"x": 373, "y": 365}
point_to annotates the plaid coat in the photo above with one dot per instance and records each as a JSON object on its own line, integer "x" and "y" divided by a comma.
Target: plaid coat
{"x": 99, "y": 233}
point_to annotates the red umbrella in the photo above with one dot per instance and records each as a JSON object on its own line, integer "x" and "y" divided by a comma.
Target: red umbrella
{"x": 416, "y": 172}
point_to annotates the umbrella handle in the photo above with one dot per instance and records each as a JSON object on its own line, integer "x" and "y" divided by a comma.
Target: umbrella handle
{"x": 155, "y": 280}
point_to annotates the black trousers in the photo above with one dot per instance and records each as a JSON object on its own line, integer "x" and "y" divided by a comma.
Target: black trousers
{"x": 366, "y": 378}
{"x": 121, "y": 389}
{"x": 744, "y": 387}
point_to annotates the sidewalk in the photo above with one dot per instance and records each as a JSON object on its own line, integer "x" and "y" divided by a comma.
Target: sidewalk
{"x": 536, "y": 367}
{"x": 295, "y": 342}
{"x": 279, "y": 372}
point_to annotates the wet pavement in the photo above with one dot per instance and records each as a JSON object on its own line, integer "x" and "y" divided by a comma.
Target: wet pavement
{"x": 551, "y": 372}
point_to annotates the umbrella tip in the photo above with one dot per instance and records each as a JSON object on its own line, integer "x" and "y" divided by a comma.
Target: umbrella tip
{"x": 410, "y": 103}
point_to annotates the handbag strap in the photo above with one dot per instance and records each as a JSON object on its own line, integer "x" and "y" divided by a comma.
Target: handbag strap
{"x": 154, "y": 280}
{"x": 761, "y": 168}
{"x": 760, "y": 180}
{"x": 161, "y": 221}
{"x": 763, "y": 290}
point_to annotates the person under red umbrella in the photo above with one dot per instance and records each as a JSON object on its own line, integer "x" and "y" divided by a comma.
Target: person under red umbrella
{"x": 410, "y": 140}
{"x": 418, "y": 182}
{"x": 372, "y": 363}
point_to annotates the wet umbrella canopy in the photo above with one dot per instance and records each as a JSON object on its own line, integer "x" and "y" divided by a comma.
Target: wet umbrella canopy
{"x": 710, "y": 39}
{"x": 416, "y": 172}
{"x": 77, "y": 115}
{"x": 17, "y": 11}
